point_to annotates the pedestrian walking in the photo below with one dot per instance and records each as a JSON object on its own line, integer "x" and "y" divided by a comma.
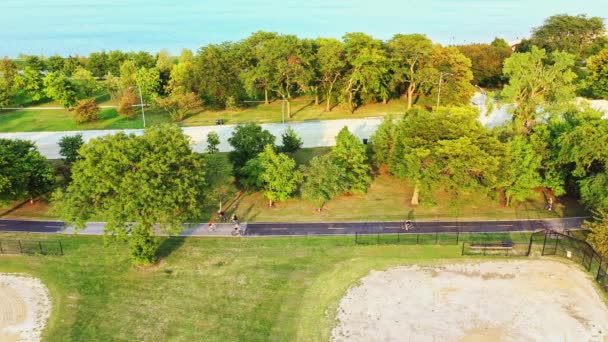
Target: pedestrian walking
{"x": 212, "y": 226}
{"x": 221, "y": 216}
{"x": 235, "y": 219}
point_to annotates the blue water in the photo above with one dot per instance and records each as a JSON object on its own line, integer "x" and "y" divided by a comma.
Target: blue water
{"x": 81, "y": 26}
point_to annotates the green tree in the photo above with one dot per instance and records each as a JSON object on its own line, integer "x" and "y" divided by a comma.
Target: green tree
{"x": 35, "y": 63}
{"x": 500, "y": 43}
{"x": 97, "y": 64}
{"x": 331, "y": 59}
{"x": 456, "y": 87}
{"x": 86, "y": 111}
{"x": 447, "y": 149}
{"x": 566, "y": 33}
{"x": 213, "y": 141}
{"x": 182, "y": 77}
{"x": 349, "y": 154}
{"x": 367, "y": 77}
{"x": 24, "y": 172}
{"x": 522, "y": 176}
{"x": 247, "y": 141}
{"x": 179, "y": 104}
{"x": 55, "y": 63}
{"x": 115, "y": 60}
{"x": 112, "y": 86}
{"x": 142, "y": 59}
{"x": 32, "y": 84}
{"x": 128, "y": 69}
{"x": 216, "y": 72}
{"x": 69, "y": 146}
{"x": 259, "y": 67}
{"x": 9, "y": 80}
{"x": 71, "y": 63}
{"x": 274, "y": 173}
{"x": 291, "y": 141}
{"x": 137, "y": 184}
{"x": 84, "y": 82}
{"x": 597, "y": 81}
{"x": 383, "y": 142}
{"x": 58, "y": 87}
{"x": 537, "y": 82}
{"x": 322, "y": 181}
{"x": 411, "y": 64}
{"x": 148, "y": 80}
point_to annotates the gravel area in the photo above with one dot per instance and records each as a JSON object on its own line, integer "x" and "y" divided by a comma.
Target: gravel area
{"x": 24, "y": 308}
{"x": 530, "y": 300}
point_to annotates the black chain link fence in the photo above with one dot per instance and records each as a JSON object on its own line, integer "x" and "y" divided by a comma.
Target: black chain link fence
{"x": 31, "y": 247}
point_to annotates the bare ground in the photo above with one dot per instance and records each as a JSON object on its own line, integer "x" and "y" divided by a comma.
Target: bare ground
{"x": 24, "y": 308}
{"x": 530, "y": 300}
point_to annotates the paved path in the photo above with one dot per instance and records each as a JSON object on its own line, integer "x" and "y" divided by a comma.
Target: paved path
{"x": 316, "y": 228}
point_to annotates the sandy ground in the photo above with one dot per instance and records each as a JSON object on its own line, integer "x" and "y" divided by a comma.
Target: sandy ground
{"x": 529, "y": 300}
{"x": 24, "y": 308}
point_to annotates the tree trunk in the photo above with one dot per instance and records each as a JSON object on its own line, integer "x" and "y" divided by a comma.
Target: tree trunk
{"x": 350, "y": 102}
{"x": 266, "y": 96}
{"x": 410, "y": 94}
{"x": 288, "y": 108}
{"x": 316, "y": 99}
{"x": 269, "y": 203}
{"x": 384, "y": 100}
{"x": 416, "y": 194}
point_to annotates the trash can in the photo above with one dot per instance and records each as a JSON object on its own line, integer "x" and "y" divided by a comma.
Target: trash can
{"x": 364, "y": 141}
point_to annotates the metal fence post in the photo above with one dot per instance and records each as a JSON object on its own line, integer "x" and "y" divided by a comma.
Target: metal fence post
{"x": 20, "y": 249}
{"x": 436, "y": 235}
{"x": 462, "y": 253}
{"x": 1, "y": 251}
{"x": 398, "y": 238}
{"x": 544, "y": 242}
{"x": 556, "y": 241}
{"x": 356, "y": 242}
{"x": 457, "y": 236}
{"x": 378, "y": 238}
{"x": 530, "y": 245}
{"x": 40, "y": 245}
{"x": 417, "y": 237}
{"x": 61, "y": 247}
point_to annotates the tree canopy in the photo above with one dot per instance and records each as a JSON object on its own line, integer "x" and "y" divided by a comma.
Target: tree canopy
{"x": 136, "y": 183}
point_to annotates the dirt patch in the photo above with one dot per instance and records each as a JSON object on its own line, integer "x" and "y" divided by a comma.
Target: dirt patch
{"x": 24, "y": 308}
{"x": 528, "y": 300}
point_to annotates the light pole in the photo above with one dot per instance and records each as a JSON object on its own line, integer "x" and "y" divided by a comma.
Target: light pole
{"x": 441, "y": 74}
{"x": 141, "y": 104}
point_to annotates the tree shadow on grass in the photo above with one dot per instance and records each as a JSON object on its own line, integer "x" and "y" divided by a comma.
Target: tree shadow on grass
{"x": 169, "y": 245}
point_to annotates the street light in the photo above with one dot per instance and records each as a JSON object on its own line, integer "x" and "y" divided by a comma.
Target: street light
{"x": 141, "y": 104}
{"x": 440, "y": 79}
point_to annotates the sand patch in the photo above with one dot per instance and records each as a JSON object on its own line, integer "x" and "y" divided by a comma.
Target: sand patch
{"x": 530, "y": 300}
{"x": 24, "y": 307}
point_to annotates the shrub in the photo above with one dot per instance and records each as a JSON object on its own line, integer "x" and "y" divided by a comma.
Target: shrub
{"x": 86, "y": 110}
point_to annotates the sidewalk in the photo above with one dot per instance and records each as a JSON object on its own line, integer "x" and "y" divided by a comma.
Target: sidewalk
{"x": 200, "y": 229}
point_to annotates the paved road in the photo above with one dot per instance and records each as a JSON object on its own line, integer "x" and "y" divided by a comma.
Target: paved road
{"x": 313, "y": 133}
{"x": 316, "y": 228}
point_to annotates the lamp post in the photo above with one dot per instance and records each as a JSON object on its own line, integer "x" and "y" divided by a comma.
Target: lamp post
{"x": 141, "y": 104}
{"x": 441, "y": 74}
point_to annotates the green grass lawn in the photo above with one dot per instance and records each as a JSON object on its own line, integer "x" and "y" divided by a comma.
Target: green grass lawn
{"x": 34, "y": 120}
{"x": 209, "y": 289}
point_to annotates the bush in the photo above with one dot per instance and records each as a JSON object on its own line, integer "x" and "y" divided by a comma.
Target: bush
{"x": 127, "y": 101}
{"x": 86, "y": 110}
{"x": 291, "y": 141}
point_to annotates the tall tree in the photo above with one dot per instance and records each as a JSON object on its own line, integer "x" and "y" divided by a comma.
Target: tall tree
{"x": 322, "y": 181}
{"x": 115, "y": 60}
{"x": 9, "y": 80}
{"x": 567, "y": 33}
{"x": 58, "y": 87}
{"x": 55, "y": 63}
{"x": 367, "y": 77}
{"x": 258, "y": 67}
{"x": 486, "y": 63}
{"x": 84, "y": 82}
{"x": 597, "y": 81}
{"x": 148, "y": 80}
{"x": 137, "y": 184}
{"x": 331, "y": 60}
{"x": 247, "y": 141}
{"x": 24, "y": 172}
{"x": 536, "y": 82}
{"x": 410, "y": 62}
{"x": 456, "y": 87}
{"x": 447, "y": 149}
{"x": 216, "y": 72}
{"x": 128, "y": 69}
{"x": 69, "y": 146}
{"x": 97, "y": 63}
{"x": 349, "y": 154}
{"x": 383, "y": 142}
{"x": 274, "y": 173}
{"x": 32, "y": 84}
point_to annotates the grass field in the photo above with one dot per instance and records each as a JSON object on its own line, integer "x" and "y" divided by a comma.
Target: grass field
{"x": 34, "y": 120}
{"x": 261, "y": 289}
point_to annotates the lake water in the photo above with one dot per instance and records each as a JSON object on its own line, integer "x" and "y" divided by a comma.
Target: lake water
{"x": 81, "y": 26}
